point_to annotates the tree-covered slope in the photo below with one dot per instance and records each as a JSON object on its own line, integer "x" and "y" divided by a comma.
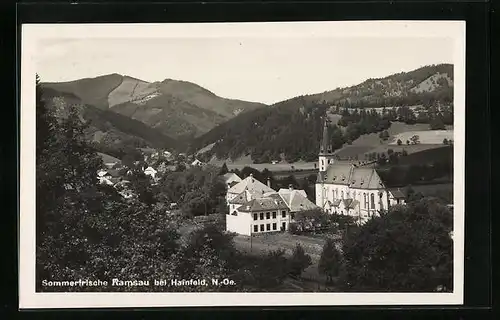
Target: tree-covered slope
{"x": 293, "y": 128}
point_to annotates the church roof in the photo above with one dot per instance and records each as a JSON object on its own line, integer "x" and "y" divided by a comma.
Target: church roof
{"x": 352, "y": 176}
{"x": 296, "y": 200}
{"x": 254, "y": 186}
{"x": 273, "y": 202}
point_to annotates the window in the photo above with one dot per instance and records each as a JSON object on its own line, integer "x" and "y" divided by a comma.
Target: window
{"x": 336, "y": 193}
{"x": 274, "y": 226}
{"x": 322, "y": 162}
{"x": 283, "y": 214}
{"x": 292, "y": 215}
{"x": 255, "y": 228}
{"x": 283, "y": 226}
{"x": 268, "y": 227}
{"x": 342, "y": 194}
{"x": 372, "y": 200}
{"x": 261, "y": 227}
{"x": 254, "y": 216}
{"x": 365, "y": 200}
{"x": 268, "y": 215}
{"x": 274, "y": 214}
{"x": 262, "y": 216}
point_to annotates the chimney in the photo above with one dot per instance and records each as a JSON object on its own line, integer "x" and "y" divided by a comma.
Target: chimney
{"x": 251, "y": 177}
{"x": 290, "y": 187}
{"x": 269, "y": 182}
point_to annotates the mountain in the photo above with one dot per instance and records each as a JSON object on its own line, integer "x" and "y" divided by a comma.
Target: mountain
{"x": 292, "y": 129}
{"x": 109, "y": 130}
{"x": 178, "y": 109}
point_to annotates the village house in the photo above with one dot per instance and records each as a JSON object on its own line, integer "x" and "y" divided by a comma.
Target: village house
{"x": 150, "y": 171}
{"x": 196, "y": 162}
{"x": 296, "y": 201}
{"x": 346, "y": 188}
{"x": 255, "y": 207}
{"x": 109, "y": 177}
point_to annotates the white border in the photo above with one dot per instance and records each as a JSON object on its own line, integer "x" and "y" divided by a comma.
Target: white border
{"x": 32, "y": 33}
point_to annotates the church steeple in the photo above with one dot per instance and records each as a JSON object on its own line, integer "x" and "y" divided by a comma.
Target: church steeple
{"x": 325, "y": 146}
{"x": 326, "y": 156}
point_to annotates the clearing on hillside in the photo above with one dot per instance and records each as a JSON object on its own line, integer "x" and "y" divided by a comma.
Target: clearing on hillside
{"x": 425, "y": 137}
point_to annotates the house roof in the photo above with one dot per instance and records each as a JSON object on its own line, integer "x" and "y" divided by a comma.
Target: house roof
{"x": 102, "y": 173}
{"x": 254, "y": 186}
{"x": 230, "y": 176}
{"x": 273, "y": 202}
{"x": 114, "y": 173}
{"x": 233, "y": 183}
{"x": 397, "y": 193}
{"x": 335, "y": 202}
{"x": 350, "y": 203}
{"x": 296, "y": 200}
{"x": 240, "y": 198}
{"x": 352, "y": 176}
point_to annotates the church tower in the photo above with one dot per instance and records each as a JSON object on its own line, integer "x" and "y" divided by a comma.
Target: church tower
{"x": 325, "y": 149}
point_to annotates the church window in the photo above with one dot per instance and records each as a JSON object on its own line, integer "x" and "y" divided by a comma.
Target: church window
{"x": 322, "y": 162}
{"x": 372, "y": 200}
{"x": 336, "y": 193}
{"x": 342, "y": 194}
{"x": 365, "y": 200}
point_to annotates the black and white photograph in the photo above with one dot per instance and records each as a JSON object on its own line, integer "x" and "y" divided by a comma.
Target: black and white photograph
{"x": 242, "y": 164}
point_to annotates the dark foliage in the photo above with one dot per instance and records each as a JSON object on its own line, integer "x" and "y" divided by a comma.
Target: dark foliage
{"x": 409, "y": 249}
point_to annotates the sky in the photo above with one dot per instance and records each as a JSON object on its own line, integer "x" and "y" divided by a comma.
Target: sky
{"x": 260, "y": 69}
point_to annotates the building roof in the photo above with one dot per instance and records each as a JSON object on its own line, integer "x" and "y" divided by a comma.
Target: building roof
{"x": 240, "y": 198}
{"x": 296, "y": 200}
{"x": 325, "y": 146}
{"x": 254, "y": 186}
{"x": 230, "y": 176}
{"x": 114, "y": 173}
{"x": 350, "y": 203}
{"x": 352, "y": 176}
{"x": 397, "y": 193}
{"x": 273, "y": 202}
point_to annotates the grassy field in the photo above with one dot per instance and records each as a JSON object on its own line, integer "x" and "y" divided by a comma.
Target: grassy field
{"x": 426, "y": 137}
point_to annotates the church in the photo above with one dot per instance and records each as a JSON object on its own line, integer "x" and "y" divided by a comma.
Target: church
{"x": 351, "y": 189}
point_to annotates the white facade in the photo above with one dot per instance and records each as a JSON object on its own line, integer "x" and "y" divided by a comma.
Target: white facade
{"x": 249, "y": 223}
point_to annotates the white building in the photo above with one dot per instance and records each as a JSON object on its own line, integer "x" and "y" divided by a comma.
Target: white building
{"x": 255, "y": 208}
{"x": 196, "y": 162}
{"x": 150, "y": 171}
{"x": 345, "y": 188}
{"x": 296, "y": 200}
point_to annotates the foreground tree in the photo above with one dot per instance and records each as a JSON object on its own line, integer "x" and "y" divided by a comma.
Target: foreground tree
{"x": 330, "y": 262}
{"x": 299, "y": 261}
{"x": 408, "y": 250}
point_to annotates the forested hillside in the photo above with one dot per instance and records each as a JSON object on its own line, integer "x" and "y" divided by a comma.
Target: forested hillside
{"x": 110, "y": 132}
{"x": 292, "y": 129}
{"x": 424, "y": 86}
